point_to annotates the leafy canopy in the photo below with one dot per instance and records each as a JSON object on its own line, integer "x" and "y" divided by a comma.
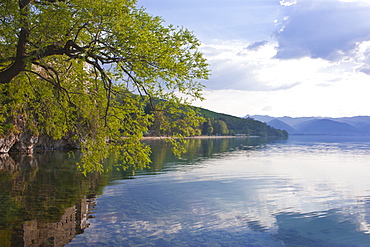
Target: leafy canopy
{"x": 88, "y": 69}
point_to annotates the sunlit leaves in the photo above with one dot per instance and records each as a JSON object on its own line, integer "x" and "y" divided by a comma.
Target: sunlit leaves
{"x": 91, "y": 67}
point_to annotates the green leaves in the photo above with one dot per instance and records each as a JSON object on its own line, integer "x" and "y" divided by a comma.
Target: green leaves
{"x": 89, "y": 68}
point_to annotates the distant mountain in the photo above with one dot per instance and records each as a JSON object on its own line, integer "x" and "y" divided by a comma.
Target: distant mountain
{"x": 357, "y": 122}
{"x": 288, "y": 120}
{"x": 365, "y": 128}
{"x": 326, "y": 127}
{"x": 295, "y": 121}
{"x": 278, "y": 124}
{"x": 262, "y": 118}
{"x": 359, "y": 125}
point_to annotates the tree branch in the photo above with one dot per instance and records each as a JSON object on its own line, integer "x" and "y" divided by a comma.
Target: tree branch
{"x": 105, "y": 78}
{"x": 19, "y": 64}
{"x": 70, "y": 49}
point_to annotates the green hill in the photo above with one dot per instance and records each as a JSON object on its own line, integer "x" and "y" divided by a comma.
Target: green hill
{"x": 236, "y": 125}
{"x": 220, "y": 124}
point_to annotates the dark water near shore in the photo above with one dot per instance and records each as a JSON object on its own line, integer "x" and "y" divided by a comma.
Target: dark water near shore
{"x": 303, "y": 191}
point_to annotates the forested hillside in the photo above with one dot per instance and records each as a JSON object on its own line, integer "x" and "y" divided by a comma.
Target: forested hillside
{"x": 214, "y": 124}
{"x": 223, "y": 124}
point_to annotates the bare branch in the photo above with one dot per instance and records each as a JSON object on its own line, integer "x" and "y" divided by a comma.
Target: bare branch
{"x": 106, "y": 80}
{"x": 139, "y": 85}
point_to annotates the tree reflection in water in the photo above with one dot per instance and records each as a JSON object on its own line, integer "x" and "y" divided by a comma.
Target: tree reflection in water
{"x": 44, "y": 199}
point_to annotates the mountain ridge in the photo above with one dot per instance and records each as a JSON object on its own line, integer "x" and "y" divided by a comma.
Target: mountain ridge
{"x": 357, "y": 125}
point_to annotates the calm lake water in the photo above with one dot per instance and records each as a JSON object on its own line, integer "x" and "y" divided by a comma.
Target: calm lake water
{"x": 302, "y": 191}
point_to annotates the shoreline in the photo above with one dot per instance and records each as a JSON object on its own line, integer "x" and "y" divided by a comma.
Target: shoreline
{"x": 194, "y": 137}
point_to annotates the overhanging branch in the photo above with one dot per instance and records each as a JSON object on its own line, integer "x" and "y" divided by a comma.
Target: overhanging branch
{"x": 71, "y": 49}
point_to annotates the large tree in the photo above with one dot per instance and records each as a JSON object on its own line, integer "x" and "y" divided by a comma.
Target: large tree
{"x": 89, "y": 67}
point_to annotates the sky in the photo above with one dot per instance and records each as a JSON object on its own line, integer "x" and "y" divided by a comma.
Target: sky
{"x": 297, "y": 58}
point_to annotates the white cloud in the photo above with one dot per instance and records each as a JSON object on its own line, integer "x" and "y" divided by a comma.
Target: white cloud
{"x": 248, "y": 81}
{"x": 347, "y": 97}
{"x": 287, "y": 57}
{"x": 363, "y": 57}
{"x": 287, "y": 2}
{"x": 235, "y": 66}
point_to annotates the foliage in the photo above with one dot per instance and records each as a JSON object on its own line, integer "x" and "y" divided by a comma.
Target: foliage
{"x": 88, "y": 69}
{"x": 207, "y": 127}
{"x": 176, "y": 121}
{"x": 220, "y": 127}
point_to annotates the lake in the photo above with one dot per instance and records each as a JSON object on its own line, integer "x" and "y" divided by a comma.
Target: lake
{"x": 300, "y": 191}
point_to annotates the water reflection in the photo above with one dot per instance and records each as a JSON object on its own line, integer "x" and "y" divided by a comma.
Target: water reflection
{"x": 331, "y": 228}
{"x": 285, "y": 193}
{"x": 44, "y": 200}
{"x": 198, "y": 150}
{"x": 304, "y": 191}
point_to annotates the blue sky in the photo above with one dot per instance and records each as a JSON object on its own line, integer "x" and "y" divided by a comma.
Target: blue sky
{"x": 280, "y": 57}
